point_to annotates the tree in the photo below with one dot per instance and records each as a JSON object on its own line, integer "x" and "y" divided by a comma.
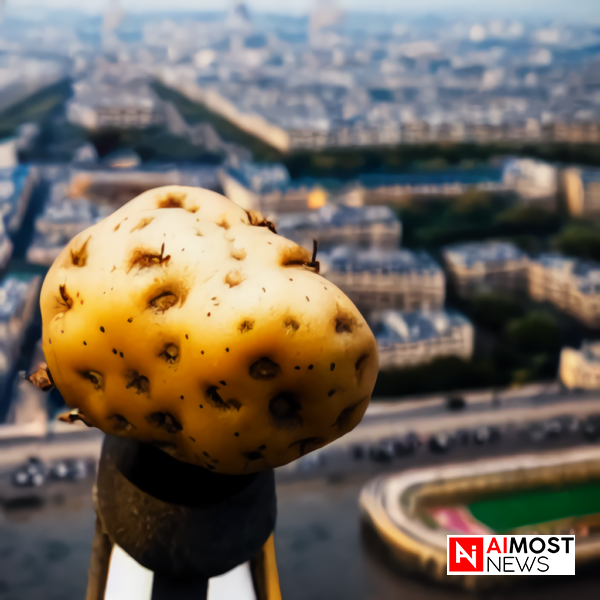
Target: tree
{"x": 494, "y": 311}
{"x": 579, "y": 240}
{"x": 536, "y": 332}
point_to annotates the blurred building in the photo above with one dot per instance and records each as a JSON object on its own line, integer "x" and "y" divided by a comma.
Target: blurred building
{"x": 409, "y": 339}
{"x": 336, "y": 224}
{"x": 115, "y": 96}
{"x": 483, "y": 266}
{"x": 82, "y": 197}
{"x": 572, "y": 285}
{"x": 580, "y": 369}
{"x": 16, "y": 187}
{"x": 535, "y": 182}
{"x": 582, "y": 191}
{"x": 269, "y": 189}
{"x": 397, "y": 188}
{"x": 18, "y": 301}
{"x": 62, "y": 219}
{"x": 377, "y": 279}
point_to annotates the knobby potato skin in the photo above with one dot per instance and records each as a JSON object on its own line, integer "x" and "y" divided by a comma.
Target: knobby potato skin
{"x": 184, "y": 321}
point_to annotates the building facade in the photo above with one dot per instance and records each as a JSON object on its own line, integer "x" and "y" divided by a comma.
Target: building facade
{"x": 572, "y": 285}
{"x": 410, "y": 339}
{"x": 486, "y": 266}
{"x": 580, "y": 369}
{"x": 269, "y": 189}
{"x": 387, "y": 279}
{"x": 336, "y": 225}
{"x": 582, "y": 191}
{"x": 535, "y": 182}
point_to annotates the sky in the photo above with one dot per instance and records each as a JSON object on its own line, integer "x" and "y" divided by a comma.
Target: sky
{"x": 551, "y": 8}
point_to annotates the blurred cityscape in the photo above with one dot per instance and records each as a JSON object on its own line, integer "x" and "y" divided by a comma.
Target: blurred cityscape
{"x": 449, "y": 169}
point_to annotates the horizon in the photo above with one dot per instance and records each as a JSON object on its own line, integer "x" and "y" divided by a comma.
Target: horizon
{"x": 507, "y": 9}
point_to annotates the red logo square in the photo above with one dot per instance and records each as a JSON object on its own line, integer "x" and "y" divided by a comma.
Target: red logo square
{"x": 465, "y": 554}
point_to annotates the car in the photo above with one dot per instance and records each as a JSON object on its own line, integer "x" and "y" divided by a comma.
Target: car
{"x": 383, "y": 452}
{"x": 486, "y": 435}
{"x": 31, "y": 474}
{"x": 440, "y": 443}
{"x": 591, "y": 429}
{"x": 406, "y": 445}
{"x": 69, "y": 470}
{"x": 553, "y": 429}
{"x": 462, "y": 436}
{"x": 357, "y": 452}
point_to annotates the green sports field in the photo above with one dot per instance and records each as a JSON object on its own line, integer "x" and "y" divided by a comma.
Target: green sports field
{"x": 503, "y": 514}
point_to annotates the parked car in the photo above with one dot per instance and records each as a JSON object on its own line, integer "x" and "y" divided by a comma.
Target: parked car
{"x": 358, "y": 452}
{"x": 69, "y": 470}
{"x": 31, "y": 474}
{"x": 440, "y": 442}
{"x": 383, "y": 452}
{"x": 406, "y": 445}
{"x": 591, "y": 429}
{"x": 486, "y": 435}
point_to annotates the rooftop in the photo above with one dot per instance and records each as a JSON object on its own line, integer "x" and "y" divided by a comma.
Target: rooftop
{"x": 446, "y": 177}
{"x": 394, "y": 327}
{"x": 337, "y": 215}
{"x": 345, "y": 259}
{"x": 473, "y": 253}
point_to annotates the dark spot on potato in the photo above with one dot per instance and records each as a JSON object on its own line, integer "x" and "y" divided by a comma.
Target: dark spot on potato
{"x": 253, "y": 455}
{"x": 174, "y": 200}
{"x": 264, "y": 369}
{"x": 331, "y": 393}
{"x": 284, "y": 409}
{"x": 121, "y": 423}
{"x": 144, "y": 259}
{"x": 291, "y": 326}
{"x": 258, "y": 220}
{"x": 310, "y": 367}
{"x": 181, "y": 397}
{"x": 212, "y": 393}
{"x": 226, "y": 349}
{"x": 206, "y": 454}
{"x": 79, "y": 256}
{"x": 114, "y": 350}
{"x": 297, "y": 368}
{"x": 234, "y": 403}
{"x": 191, "y": 438}
{"x": 117, "y": 227}
{"x": 305, "y": 443}
{"x": 65, "y": 299}
{"x": 96, "y": 379}
{"x": 360, "y": 363}
{"x": 246, "y": 326}
{"x": 121, "y": 354}
{"x": 85, "y": 343}
{"x": 163, "y": 301}
{"x": 210, "y": 467}
{"x": 343, "y": 325}
{"x": 236, "y": 434}
{"x": 140, "y": 383}
{"x": 263, "y": 447}
{"x": 102, "y": 329}
{"x": 143, "y": 223}
{"x": 307, "y": 299}
{"x": 170, "y": 353}
{"x": 224, "y": 224}
{"x": 164, "y": 420}
{"x": 332, "y": 366}
{"x": 346, "y": 414}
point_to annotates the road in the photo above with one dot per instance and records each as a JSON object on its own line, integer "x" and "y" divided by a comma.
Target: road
{"x": 322, "y": 554}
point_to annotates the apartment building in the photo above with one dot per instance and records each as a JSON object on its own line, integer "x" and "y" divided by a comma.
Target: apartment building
{"x": 484, "y": 266}
{"x": 410, "y": 339}
{"x": 377, "y": 279}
